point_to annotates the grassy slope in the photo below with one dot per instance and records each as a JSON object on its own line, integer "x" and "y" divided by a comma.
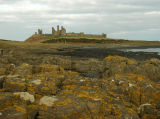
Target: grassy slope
{"x": 47, "y": 38}
{"x": 46, "y": 41}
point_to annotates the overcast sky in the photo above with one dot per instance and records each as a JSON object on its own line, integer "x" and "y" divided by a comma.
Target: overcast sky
{"x": 128, "y": 19}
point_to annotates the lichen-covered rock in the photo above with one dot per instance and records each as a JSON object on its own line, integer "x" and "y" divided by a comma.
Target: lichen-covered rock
{"x": 64, "y": 108}
{"x": 118, "y": 65}
{"x": 24, "y": 69}
{"x": 150, "y": 69}
{"x": 19, "y": 112}
{"x": 14, "y": 83}
{"x": 16, "y": 112}
{"x": 90, "y": 68}
{"x": 121, "y": 65}
{"x": 7, "y": 100}
{"x": 50, "y": 92}
{"x": 147, "y": 111}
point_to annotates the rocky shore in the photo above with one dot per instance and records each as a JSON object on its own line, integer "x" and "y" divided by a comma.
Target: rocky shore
{"x": 57, "y": 83}
{"x": 124, "y": 89}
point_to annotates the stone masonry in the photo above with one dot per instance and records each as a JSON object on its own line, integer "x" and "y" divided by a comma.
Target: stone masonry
{"x": 62, "y": 32}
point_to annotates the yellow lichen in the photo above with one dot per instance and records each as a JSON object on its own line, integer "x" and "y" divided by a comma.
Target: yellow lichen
{"x": 83, "y": 94}
{"x": 71, "y": 87}
{"x": 20, "y": 109}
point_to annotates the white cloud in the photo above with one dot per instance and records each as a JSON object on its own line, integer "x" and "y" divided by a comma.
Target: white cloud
{"x": 9, "y": 18}
{"x": 25, "y": 7}
{"x": 152, "y": 13}
{"x": 119, "y": 33}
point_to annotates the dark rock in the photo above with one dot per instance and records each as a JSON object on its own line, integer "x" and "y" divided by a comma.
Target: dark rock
{"x": 2, "y": 79}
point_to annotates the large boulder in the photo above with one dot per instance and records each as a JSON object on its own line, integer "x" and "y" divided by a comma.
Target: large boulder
{"x": 90, "y": 68}
{"x": 147, "y": 111}
{"x": 150, "y": 69}
{"x": 25, "y": 97}
{"x": 118, "y": 65}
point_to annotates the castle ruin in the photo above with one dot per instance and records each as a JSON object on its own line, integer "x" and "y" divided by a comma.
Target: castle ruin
{"x": 62, "y": 32}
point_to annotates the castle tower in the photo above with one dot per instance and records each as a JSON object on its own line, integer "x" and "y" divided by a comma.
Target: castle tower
{"x": 104, "y": 35}
{"x": 63, "y": 31}
{"x": 53, "y": 31}
{"x": 58, "y": 32}
{"x": 40, "y": 31}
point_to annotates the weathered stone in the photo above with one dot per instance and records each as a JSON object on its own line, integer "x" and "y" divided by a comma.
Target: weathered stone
{"x": 118, "y": 65}
{"x": 32, "y": 111}
{"x": 40, "y": 31}
{"x": 7, "y": 100}
{"x": 48, "y": 101}
{"x": 90, "y": 68}
{"x": 25, "y": 96}
{"x": 64, "y": 108}
{"x": 24, "y": 69}
{"x": 51, "y": 92}
{"x": 150, "y": 69}
{"x": 16, "y": 112}
{"x": 14, "y": 83}
{"x": 36, "y": 82}
{"x": 147, "y": 111}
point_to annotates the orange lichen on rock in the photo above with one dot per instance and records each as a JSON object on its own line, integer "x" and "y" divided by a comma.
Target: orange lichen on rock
{"x": 49, "y": 91}
{"x": 20, "y": 109}
{"x": 119, "y": 59}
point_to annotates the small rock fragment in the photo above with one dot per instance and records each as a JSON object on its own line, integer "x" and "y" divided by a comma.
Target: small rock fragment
{"x": 48, "y": 101}
{"x": 26, "y": 96}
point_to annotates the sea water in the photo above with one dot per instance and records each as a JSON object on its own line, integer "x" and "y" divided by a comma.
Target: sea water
{"x": 149, "y": 50}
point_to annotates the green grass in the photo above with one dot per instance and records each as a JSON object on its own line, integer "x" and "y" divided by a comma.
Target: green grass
{"x": 100, "y": 41}
{"x": 81, "y": 40}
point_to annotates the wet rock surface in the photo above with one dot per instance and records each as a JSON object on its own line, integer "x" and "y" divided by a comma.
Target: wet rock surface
{"x": 113, "y": 88}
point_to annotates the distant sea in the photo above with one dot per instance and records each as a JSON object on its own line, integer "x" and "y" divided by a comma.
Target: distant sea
{"x": 149, "y": 50}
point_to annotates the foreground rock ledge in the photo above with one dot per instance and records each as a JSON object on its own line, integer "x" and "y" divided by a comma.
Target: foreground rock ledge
{"x": 125, "y": 89}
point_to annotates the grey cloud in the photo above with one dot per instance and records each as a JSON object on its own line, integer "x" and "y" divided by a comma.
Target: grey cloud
{"x": 120, "y": 19}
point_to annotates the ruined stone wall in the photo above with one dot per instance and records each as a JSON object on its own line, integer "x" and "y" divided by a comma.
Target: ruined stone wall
{"x": 58, "y": 31}
{"x": 62, "y": 31}
{"x": 85, "y": 35}
{"x": 53, "y": 31}
{"x": 95, "y": 36}
{"x": 74, "y": 34}
{"x": 40, "y": 31}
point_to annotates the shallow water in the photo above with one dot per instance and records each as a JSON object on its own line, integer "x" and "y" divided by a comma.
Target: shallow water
{"x": 149, "y": 50}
